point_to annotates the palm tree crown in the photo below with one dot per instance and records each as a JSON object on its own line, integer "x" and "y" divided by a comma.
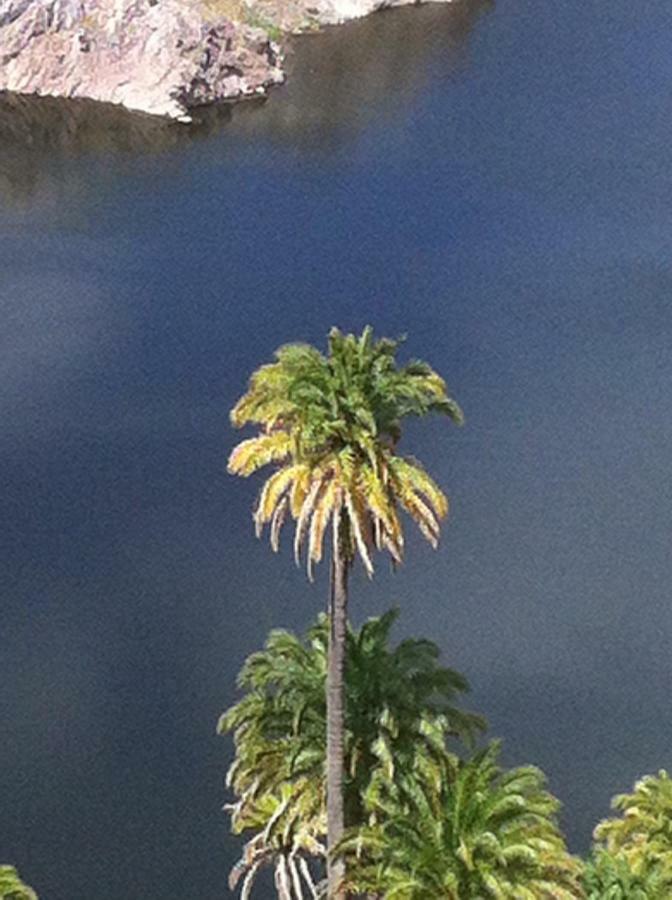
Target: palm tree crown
{"x": 609, "y": 876}
{"x": 462, "y": 830}
{"x": 643, "y": 835}
{"x": 331, "y": 424}
{"x": 397, "y": 700}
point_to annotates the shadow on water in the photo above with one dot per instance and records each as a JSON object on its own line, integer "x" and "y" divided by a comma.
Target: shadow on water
{"x": 339, "y": 82}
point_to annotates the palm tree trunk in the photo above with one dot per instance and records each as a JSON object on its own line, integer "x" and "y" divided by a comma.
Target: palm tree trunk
{"x": 338, "y": 612}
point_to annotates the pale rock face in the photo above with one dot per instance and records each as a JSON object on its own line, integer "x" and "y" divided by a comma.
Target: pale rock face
{"x": 157, "y": 57}
{"x": 164, "y": 57}
{"x": 337, "y": 11}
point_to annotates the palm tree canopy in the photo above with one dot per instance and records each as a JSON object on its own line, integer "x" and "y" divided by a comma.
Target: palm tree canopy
{"x": 460, "y": 830}
{"x": 11, "y": 886}
{"x": 643, "y": 834}
{"x": 609, "y": 876}
{"x": 397, "y": 699}
{"x": 331, "y": 424}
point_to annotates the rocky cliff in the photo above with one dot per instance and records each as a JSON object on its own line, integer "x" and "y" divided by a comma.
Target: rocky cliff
{"x": 164, "y": 57}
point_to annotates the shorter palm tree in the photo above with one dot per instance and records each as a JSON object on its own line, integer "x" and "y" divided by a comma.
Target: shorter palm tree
{"x": 633, "y": 852}
{"x": 11, "y": 886}
{"x": 459, "y": 830}
{"x": 644, "y": 832}
{"x": 609, "y": 876}
{"x": 397, "y": 701}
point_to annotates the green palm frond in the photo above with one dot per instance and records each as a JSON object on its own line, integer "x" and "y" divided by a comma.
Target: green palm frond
{"x": 610, "y": 876}
{"x": 636, "y": 847}
{"x": 462, "y": 829}
{"x": 646, "y": 821}
{"x": 330, "y": 426}
{"x": 399, "y": 701}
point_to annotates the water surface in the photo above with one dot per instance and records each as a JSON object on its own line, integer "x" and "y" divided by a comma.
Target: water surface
{"x": 493, "y": 180}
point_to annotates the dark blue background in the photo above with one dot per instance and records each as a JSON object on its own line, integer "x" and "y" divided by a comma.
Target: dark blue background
{"x": 493, "y": 180}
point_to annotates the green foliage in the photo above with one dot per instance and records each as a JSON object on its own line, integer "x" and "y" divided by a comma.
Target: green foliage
{"x": 644, "y": 831}
{"x": 459, "y": 830}
{"x": 633, "y": 852}
{"x": 397, "y": 701}
{"x": 11, "y": 886}
{"x": 609, "y": 876}
{"x": 256, "y": 20}
{"x": 331, "y": 425}
{"x": 423, "y": 823}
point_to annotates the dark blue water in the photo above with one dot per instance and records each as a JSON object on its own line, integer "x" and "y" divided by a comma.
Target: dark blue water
{"x": 493, "y": 180}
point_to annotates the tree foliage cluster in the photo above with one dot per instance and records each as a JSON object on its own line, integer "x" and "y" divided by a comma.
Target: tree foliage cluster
{"x": 354, "y": 754}
{"x": 431, "y": 811}
{"x": 354, "y": 759}
{"x": 12, "y": 887}
{"x": 330, "y": 425}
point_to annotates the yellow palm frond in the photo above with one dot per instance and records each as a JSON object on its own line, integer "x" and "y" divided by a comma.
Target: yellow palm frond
{"x": 360, "y": 524}
{"x": 306, "y": 512}
{"x": 395, "y": 551}
{"x": 379, "y": 500}
{"x": 396, "y": 532}
{"x": 299, "y": 491}
{"x": 410, "y": 474}
{"x": 434, "y": 384}
{"x": 266, "y": 412}
{"x": 277, "y": 522}
{"x": 328, "y": 503}
{"x": 271, "y": 493}
{"x": 391, "y": 535}
{"x": 254, "y": 453}
{"x": 422, "y": 515}
{"x": 260, "y": 388}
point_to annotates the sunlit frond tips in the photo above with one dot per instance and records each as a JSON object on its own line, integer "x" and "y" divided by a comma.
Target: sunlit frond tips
{"x": 330, "y": 425}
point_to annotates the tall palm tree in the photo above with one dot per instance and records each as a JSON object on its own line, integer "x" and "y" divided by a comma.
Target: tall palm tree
{"x": 460, "y": 830}
{"x": 11, "y": 886}
{"x": 330, "y": 425}
{"x": 398, "y": 700}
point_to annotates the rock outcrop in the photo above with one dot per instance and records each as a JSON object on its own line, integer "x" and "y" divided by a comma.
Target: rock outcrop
{"x": 163, "y": 57}
{"x": 158, "y": 57}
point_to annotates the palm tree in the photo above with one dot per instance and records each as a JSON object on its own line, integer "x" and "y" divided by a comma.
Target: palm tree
{"x": 609, "y": 876}
{"x": 398, "y": 700}
{"x": 331, "y": 425}
{"x": 11, "y": 886}
{"x": 456, "y": 830}
{"x": 643, "y": 835}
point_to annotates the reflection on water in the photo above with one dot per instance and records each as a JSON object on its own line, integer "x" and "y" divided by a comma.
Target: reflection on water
{"x": 340, "y": 80}
{"x": 38, "y": 133}
{"x": 343, "y": 78}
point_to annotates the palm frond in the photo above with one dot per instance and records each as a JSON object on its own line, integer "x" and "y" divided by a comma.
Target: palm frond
{"x": 257, "y": 452}
{"x": 400, "y": 713}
